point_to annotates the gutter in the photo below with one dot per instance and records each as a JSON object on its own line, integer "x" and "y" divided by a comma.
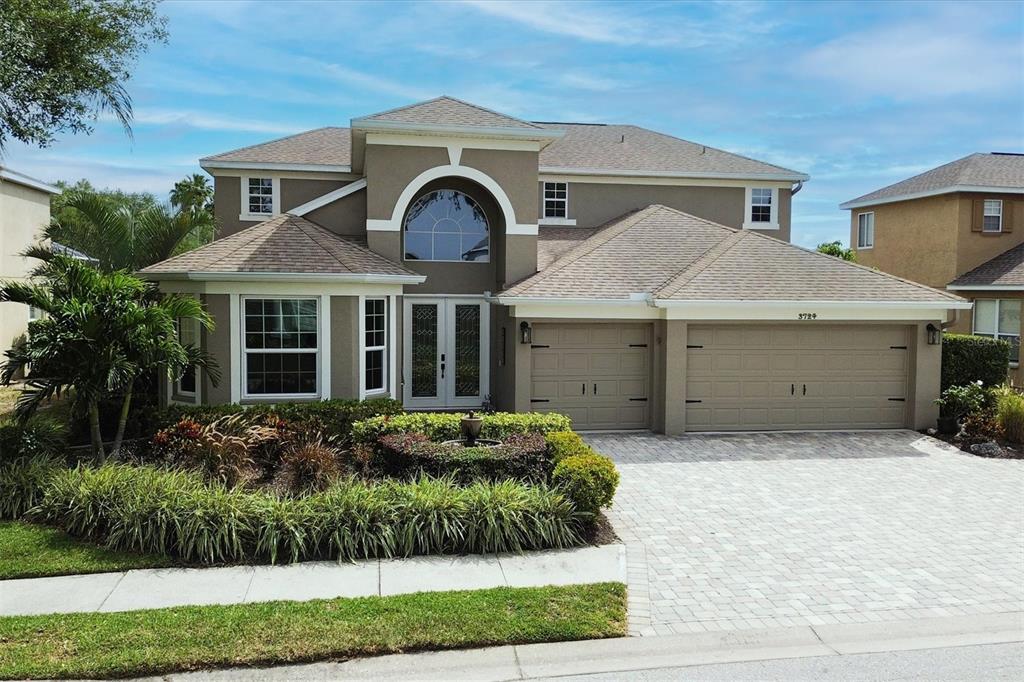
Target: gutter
{"x": 633, "y": 173}
{"x": 283, "y": 277}
{"x": 857, "y": 203}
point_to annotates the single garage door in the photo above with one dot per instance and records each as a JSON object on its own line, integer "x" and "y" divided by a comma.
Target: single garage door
{"x": 747, "y": 377}
{"x": 598, "y": 374}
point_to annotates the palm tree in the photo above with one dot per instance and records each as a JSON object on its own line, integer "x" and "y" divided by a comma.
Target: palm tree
{"x": 121, "y": 238}
{"x": 194, "y": 192}
{"x": 101, "y": 332}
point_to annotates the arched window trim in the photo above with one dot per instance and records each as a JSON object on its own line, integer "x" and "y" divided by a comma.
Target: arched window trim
{"x": 434, "y": 232}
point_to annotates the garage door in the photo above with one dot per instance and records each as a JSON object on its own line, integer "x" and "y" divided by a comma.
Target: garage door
{"x": 796, "y": 377}
{"x": 598, "y": 374}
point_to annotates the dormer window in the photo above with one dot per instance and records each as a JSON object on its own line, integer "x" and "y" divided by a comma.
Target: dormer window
{"x": 761, "y": 211}
{"x": 992, "y": 221}
{"x": 556, "y": 200}
{"x": 260, "y": 198}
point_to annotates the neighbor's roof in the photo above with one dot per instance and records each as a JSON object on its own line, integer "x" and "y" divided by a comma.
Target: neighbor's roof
{"x": 671, "y": 255}
{"x": 447, "y": 111}
{"x": 625, "y": 149}
{"x": 286, "y": 244}
{"x": 1004, "y": 271}
{"x": 11, "y": 175}
{"x": 982, "y": 172}
{"x": 320, "y": 147}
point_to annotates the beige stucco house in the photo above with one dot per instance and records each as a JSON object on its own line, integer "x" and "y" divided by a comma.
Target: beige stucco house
{"x": 453, "y": 257}
{"x": 24, "y": 211}
{"x": 960, "y": 227}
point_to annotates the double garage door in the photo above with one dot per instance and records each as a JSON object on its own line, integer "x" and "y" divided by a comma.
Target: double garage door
{"x": 796, "y": 377}
{"x": 738, "y": 377}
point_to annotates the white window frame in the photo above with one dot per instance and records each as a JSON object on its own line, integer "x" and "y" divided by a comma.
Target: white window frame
{"x": 545, "y": 219}
{"x": 998, "y": 208}
{"x": 194, "y": 323}
{"x": 870, "y": 231}
{"x": 35, "y": 313}
{"x": 275, "y": 198}
{"x": 318, "y": 351}
{"x": 773, "y": 222}
{"x": 995, "y": 334}
{"x": 364, "y": 349}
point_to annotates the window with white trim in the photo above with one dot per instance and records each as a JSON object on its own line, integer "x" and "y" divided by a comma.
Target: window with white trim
{"x": 260, "y": 196}
{"x": 865, "y": 230}
{"x": 375, "y": 344}
{"x": 188, "y": 335}
{"x": 556, "y": 199}
{"x": 992, "y": 220}
{"x": 761, "y": 205}
{"x": 280, "y": 347}
{"x": 999, "y": 319}
{"x": 34, "y": 313}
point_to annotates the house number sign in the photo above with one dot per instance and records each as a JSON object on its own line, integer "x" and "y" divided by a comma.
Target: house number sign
{"x": 807, "y": 316}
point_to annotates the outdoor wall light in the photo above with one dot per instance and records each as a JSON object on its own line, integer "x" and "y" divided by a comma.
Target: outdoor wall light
{"x": 525, "y": 332}
{"x": 934, "y": 335}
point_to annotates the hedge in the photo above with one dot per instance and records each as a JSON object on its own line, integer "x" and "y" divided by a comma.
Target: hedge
{"x": 22, "y": 481}
{"x": 588, "y": 480}
{"x": 966, "y": 359}
{"x": 441, "y": 426}
{"x": 523, "y": 457}
{"x": 562, "y": 444}
{"x": 154, "y": 510}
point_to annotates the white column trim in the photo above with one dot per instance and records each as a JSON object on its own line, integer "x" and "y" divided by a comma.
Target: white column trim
{"x": 235, "y": 344}
{"x": 392, "y": 347}
{"x": 325, "y": 347}
{"x": 361, "y": 359}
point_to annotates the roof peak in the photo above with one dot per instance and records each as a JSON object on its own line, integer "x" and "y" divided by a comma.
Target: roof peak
{"x": 446, "y": 110}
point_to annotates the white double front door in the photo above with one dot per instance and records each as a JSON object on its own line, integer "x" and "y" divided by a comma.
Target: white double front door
{"x": 446, "y": 349}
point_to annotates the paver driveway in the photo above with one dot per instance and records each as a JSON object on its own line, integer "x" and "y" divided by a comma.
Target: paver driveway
{"x": 761, "y": 530}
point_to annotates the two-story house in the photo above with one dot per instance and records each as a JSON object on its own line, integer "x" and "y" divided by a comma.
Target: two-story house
{"x": 960, "y": 227}
{"x": 451, "y": 256}
{"x": 24, "y": 211}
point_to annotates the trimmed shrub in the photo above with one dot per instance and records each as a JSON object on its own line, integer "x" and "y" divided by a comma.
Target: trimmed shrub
{"x": 588, "y": 480}
{"x": 38, "y": 436}
{"x": 149, "y": 509}
{"x": 562, "y": 444}
{"x": 21, "y": 483}
{"x": 966, "y": 359}
{"x": 1010, "y": 414}
{"x": 522, "y": 457}
{"x": 440, "y": 426}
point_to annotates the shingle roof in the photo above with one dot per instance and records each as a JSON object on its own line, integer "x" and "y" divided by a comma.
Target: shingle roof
{"x": 323, "y": 146}
{"x": 285, "y": 244}
{"x": 993, "y": 170}
{"x": 672, "y": 255}
{"x": 554, "y": 242}
{"x": 1005, "y": 270}
{"x": 450, "y": 112}
{"x": 630, "y": 148}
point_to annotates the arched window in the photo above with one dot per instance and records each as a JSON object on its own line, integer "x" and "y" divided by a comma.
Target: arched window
{"x": 447, "y": 225}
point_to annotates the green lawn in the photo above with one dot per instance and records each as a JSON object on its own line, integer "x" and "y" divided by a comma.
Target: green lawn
{"x": 194, "y": 637}
{"x": 31, "y": 551}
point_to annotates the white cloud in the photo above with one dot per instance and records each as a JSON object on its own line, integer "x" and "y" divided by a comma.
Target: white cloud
{"x": 206, "y": 121}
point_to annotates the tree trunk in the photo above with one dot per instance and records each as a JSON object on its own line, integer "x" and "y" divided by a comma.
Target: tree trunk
{"x": 122, "y": 421}
{"x": 94, "y": 430}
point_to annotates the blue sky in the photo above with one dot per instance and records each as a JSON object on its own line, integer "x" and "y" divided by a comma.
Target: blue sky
{"x": 858, "y": 94}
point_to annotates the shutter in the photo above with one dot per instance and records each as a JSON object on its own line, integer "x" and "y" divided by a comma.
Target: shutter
{"x": 1009, "y": 214}
{"x": 978, "y": 215}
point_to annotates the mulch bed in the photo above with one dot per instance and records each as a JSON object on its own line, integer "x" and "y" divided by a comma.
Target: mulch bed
{"x": 1006, "y": 450}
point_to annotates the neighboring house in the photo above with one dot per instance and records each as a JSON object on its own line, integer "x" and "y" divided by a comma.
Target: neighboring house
{"x": 449, "y": 255}
{"x": 24, "y": 211}
{"x": 960, "y": 227}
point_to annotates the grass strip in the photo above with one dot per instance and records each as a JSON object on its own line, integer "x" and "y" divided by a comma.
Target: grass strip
{"x": 29, "y": 550}
{"x": 92, "y": 645}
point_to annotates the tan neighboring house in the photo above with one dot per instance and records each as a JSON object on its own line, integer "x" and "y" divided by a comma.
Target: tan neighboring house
{"x": 24, "y": 211}
{"x": 960, "y": 227}
{"x": 454, "y": 257}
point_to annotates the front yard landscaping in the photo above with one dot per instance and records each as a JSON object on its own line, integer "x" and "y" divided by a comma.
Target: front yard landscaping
{"x": 188, "y": 638}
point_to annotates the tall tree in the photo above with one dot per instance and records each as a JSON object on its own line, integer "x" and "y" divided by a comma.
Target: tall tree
{"x": 194, "y": 192}
{"x": 64, "y": 62}
{"x": 101, "y": 332}
{"x": 837, "y": 249}
{"x": 125, "y": 235}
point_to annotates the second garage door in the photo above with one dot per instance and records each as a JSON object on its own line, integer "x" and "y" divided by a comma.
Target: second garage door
{"x": 751, "y": 377}
{"x": 598, "y": 374}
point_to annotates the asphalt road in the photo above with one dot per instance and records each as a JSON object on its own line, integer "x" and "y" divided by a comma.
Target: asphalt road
{"x": 988, "y": 663}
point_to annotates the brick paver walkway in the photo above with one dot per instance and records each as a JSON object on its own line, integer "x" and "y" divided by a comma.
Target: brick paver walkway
{"x": 734, "y": 532}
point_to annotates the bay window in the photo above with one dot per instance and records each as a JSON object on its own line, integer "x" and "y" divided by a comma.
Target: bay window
{"x": 281, "y": 345}
{"x": 999, "y": 319}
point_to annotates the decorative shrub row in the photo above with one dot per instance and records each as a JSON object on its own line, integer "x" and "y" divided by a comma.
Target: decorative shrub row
{"x": 21, "y": 483}
{"x": 523, "y": 457}
{"x": 440, "y": 426}
{"x": 148, "y": 509}
{"x": 966, "y": 359}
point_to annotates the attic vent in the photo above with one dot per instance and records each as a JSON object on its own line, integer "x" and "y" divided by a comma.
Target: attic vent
{"x": 703, "y": 150}
{"x": 622, "y": 139}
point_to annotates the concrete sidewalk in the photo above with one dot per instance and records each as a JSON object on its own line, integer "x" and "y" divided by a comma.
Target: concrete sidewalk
{"x": 540, "y": 661}
{"x": 163, "y": 587}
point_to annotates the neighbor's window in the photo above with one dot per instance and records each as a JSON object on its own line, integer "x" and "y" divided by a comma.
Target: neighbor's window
{"x": 865, "y": 230}
{"x": 556, "y": 199}
{"x": 760, "y": 205}
{"x": 261, "y": 196}
{"x": 34, "y": 313}
{"x": 281, "y": 343}
{"x": 999, "y": 319}
{"x": 375, "y": 340}
{"x": 188, "y": 336}
{"x": 446, "y": 225}
{"x": 993, "y": 218}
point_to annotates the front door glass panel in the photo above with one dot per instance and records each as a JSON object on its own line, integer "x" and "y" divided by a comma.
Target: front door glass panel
{"x": 424, "y": 350}
{"x": 467, "y": 350}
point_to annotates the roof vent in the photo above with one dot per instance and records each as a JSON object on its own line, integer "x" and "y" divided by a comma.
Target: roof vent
{"x": 703, "y": 150}
{"x": 622, "y": 139}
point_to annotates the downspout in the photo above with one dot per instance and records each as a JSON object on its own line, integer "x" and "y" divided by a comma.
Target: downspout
{"x": 796, "y": 189}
